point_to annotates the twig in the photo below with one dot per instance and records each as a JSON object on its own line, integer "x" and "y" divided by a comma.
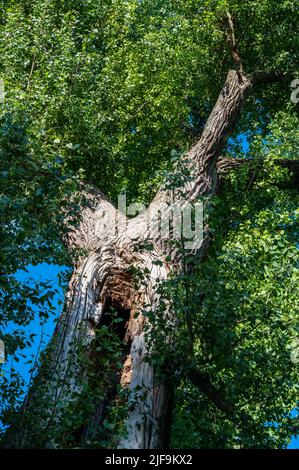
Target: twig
{"x": 231, "y": 39}
{"x": 30, "y": 74}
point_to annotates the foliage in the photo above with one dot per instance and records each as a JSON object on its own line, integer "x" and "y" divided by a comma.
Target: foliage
{"x": 92, "y": 87}
{"x": 237, "y": 317}
{"x": 99, "y": 380}
{"x": 97, "y": 383}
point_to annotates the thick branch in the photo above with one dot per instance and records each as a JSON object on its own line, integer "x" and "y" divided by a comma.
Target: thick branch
{"x": 226, "y": 165}
{"x": 203, "y": 382}
{"x": 266, "y": 78}
{"x": 218, "y": 128}
{"x": 202, "y": 160}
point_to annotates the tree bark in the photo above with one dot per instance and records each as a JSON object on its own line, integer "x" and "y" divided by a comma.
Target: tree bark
{"x": 103, "y": 278}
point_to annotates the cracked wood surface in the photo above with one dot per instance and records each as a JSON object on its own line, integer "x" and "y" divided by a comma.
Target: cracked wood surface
{"x": 103, "y": 272}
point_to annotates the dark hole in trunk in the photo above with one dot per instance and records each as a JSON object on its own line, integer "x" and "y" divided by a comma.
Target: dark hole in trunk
{"x": 112, "y": 309}
{"x": 120, "y": 327}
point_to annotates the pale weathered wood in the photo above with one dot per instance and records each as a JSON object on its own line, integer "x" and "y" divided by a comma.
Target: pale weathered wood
{"x": 103, "y": 272}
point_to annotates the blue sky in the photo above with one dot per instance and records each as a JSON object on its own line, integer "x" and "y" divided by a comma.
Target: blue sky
{"x": 43, "y": 273}
{"x": 49, "y": 273}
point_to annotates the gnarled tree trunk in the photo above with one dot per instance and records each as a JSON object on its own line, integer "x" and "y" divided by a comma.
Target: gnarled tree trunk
{"x": 104, "y": 278}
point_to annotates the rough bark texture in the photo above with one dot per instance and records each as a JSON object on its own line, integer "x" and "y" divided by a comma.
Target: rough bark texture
{"x": 103, "y": 278}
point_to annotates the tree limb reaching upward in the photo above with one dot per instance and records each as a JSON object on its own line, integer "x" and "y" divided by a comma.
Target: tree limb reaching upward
{"x": 231, "y": 39}
{"x": 103, "y": 278}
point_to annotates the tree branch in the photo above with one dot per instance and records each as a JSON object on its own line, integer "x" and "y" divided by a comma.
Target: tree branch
{"x": 202, "y": 160}
{"x": 231, "y": 39}
{"x": 221, "y": 123}
{"x": 203, "y": 382}
{"x": 226, "y": 165}
{"x": 266, "y": 78}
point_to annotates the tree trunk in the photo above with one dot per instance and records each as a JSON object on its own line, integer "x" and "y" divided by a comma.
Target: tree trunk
{"x": 104, "y": 278}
